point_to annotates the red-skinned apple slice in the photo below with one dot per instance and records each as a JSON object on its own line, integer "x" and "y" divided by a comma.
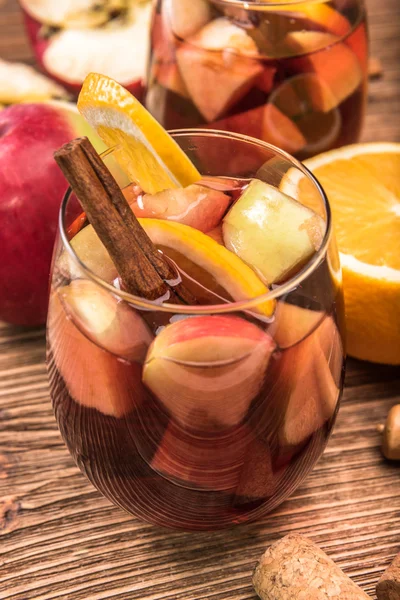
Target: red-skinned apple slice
{"x": 195, "y": 205}
{"x": 267, "y": 123}
{"x": 292, "y": 323}
{"x": 213, "y": 460}
{"x": 337, "y": 67}
{"x": 197, "y": 366}
{"x": 309, "y": 382}
{"x": 94, "y": 378}
{"x": 113, "y": 325}
{"x": 216, "y": 80}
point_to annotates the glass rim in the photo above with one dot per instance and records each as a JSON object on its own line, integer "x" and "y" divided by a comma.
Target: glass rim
{"x": 226, "y": 307}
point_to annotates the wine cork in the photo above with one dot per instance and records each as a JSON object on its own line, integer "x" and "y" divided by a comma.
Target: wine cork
{"x": 388, "y": 587}
{"x": 294, "y": 568}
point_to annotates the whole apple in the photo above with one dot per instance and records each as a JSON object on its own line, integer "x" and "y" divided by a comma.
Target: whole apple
{"x": 31, "y": 190}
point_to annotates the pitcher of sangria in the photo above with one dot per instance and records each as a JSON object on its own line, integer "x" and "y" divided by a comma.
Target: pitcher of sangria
{"x": 292, "y": 73}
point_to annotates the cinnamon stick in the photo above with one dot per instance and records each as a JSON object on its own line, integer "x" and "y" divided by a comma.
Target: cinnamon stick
{"x": 142, "y": 268}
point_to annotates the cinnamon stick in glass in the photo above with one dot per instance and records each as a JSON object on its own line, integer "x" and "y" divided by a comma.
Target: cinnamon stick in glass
{"x": 143, "y": 270}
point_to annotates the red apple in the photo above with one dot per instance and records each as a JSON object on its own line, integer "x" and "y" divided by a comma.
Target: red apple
{"x": 208, "y": 369}
{"x": 31, "y": 189}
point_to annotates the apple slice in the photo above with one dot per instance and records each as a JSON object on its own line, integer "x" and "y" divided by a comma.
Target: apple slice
{"x": 113, "y": 325}
{"x": 221, "y": 34}
{"x": 94, "y": 378}
{"x": 187, "y": 16}
{"x": 195, "y": 205}
{"x": 167, "y": 75}
{"x": 268, "y": 123}
{"x": 208, "y": 369}
{"x": 337, "y": 67}
{"x": 212, "y": 460}
{"x": 271, "y": 232}
{"x": 292, "y": 323}
{"x": 215, "y": 80}
{"x": 310, "y": 375}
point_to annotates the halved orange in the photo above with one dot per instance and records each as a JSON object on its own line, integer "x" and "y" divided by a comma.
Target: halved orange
{"x": 148, "y": 154}
{"x": 363, "y": 186}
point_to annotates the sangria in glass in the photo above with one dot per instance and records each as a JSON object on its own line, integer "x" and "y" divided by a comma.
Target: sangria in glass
{"x": 206, "y": 415}
{"x": 292, "y": 73}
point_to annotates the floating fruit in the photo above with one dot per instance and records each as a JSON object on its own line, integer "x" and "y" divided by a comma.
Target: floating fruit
{"x": 221, "y": 35}
{"x": 338, "y": 69}
{"x": 94, "y": 378}
{"x": 195, "y": 205}
{"x": 147, "y": 152}
{"x": 267, "y": 123}
{"x": 216, "y": 80}
{"x": 224, "y": 266}
{"x": 362, "y": 185}
{"x": 292, "y": 323}
{"x": 113, "y": 325}
{"x": 187, "y": 16}
{"x": 198, "y": 365}
{"x": 271, "y": 231}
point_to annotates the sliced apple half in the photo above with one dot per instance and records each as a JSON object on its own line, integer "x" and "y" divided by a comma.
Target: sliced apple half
{"x": 94, "y": 378}
{"x": 216, "y": 80}
{"x": 337, "y": 67}
{"x": 272, "y": 232}
{"x": 73, "y": 13}
{"x": 195, "y": 205}
{"x": 268, "y": 123}
{"x": 111, "y": 324}
{"x": 207, "y": 369}
{"x": 119, "y": 52}
{"x": 21, "y": 83}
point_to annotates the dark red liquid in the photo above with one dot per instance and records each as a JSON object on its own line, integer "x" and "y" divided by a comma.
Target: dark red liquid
{"x": 305, "y": 92}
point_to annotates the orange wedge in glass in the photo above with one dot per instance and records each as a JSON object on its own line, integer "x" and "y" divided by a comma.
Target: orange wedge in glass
{"x": 227, "y": 269}
{"x": 148, "y": 154}
{"x": 362, "y": 182}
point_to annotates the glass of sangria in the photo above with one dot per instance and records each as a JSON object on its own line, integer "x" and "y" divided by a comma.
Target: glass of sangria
{"x": 206, "y": 415}
{"x": 291, "y": 72}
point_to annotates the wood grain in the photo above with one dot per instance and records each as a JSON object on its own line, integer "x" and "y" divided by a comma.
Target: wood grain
{"x": 59, "y": 539}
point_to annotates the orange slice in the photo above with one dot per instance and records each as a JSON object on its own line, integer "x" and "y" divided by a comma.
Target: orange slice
{"x": 363, "y": 186}
{"x": 238, "y": 279}
{"x": 148, "y": 154}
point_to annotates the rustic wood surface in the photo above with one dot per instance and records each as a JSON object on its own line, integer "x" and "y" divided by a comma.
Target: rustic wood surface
{"x": 59, "y": 539}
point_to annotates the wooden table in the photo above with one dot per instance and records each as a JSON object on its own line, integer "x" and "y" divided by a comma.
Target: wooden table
{"x": 59, "y": 539}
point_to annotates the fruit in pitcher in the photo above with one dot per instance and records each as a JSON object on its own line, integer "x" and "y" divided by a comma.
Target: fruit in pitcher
{"x": 271, "y": 231}
{"x": 194, "y": 205}
{"x": 338, "y": 68}
{"x": 197, "y": 365}
{"x": 221, "y": 35}
{"x": 268, "y": 123}
{"x": 215, "y": 80}
{"x": 31, "y": 189}
{"x": 111, "y": 324}
{"x": 188, "y": 16}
